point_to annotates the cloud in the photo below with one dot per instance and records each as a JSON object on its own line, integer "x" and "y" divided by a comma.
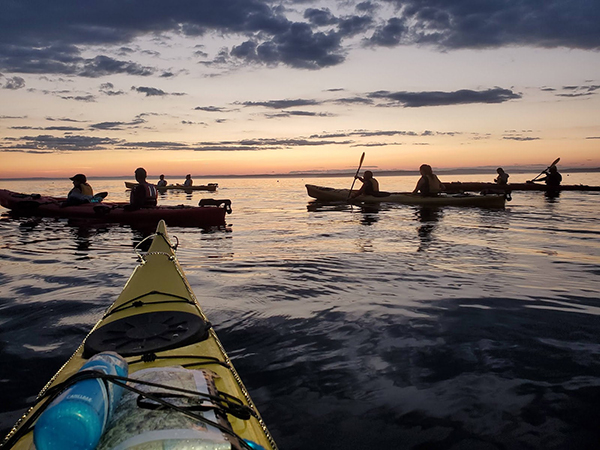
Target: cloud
{"x": 390, "y": 34}
{"x": 156, "y": 145}
{"x": 79, "y": 98}
{"x": 209, "y": 109}
{"x": 285, "y": 114}
{"x": 38, "y": 36}
{"x": 320, "y": 17}
{"x": 281, "y": 104}
{"x": 64, "y": 119}
{"x": 104, "y": 65}
{"x": 467, "y": 24}
{"x": 117, "y": 125}
{"x": 403, "y": 99}
{"x": 299, "y": 46}
{"x": 521, "y": 138}
{"x": 48, "y": 128}
{"x": 108, "y": 89}
{"x": 438, "y": 98}
{"x": 153, "y": 92}
{"x": 14, "y": 83}
{"x": 48, "y": 143}
{"x": 576, "y": 91}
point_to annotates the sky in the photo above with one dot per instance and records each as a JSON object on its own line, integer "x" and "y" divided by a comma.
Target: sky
{"x": 217, "y": 87}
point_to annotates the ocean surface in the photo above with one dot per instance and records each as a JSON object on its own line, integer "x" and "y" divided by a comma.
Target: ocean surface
{"x": 392, "y": 327}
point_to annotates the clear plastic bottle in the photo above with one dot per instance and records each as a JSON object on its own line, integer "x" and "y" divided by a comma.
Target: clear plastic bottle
{"x": 76, "y": 419}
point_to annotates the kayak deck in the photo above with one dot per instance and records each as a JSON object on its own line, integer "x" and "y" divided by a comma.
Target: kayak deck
{"x": 162, "y": 325}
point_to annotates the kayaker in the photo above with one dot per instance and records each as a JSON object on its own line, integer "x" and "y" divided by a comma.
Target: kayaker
{"x": 188, "y": 181}
{"x": 370, "y": 185}
{"x": 502, "y": 178}
{"x": 161, "y": 182}
{"x": 553, "y": 178}
{"x": 144, "y": 194}
{"x": 82, "y": 192}
{"x": 429, "y": 183}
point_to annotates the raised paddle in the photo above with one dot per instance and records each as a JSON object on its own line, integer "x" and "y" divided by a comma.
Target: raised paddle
{"x": 362, "y": 158}
{"x": 545, "y": 171}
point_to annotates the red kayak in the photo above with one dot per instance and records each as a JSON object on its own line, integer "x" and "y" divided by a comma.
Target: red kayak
{"x": 209, "y": 214}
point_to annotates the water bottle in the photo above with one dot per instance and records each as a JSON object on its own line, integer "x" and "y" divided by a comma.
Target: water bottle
{"x": 76, "y": 419}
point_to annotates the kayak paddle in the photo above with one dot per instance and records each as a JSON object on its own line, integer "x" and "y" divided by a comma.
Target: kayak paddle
{"x": 362, "y": 158}
{"x": 547, "y": 168}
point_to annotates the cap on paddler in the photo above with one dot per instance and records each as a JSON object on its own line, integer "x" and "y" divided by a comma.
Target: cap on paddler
{"x": 81, "y": 178}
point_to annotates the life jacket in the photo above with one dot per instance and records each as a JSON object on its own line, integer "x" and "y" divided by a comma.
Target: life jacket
{"x": 144, "y": 195}
{"x": 151, "y": 195}
{"x": 86, "y": 189}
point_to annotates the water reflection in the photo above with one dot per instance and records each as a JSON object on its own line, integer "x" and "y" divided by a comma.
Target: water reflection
{"x": 370, "y": 214}
{"x": 315, "y": 206}
{"x": 552, "y": 196}
{"x": 429, "y": 217}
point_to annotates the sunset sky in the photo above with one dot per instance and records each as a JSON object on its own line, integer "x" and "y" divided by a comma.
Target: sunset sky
{"x": 213, "y": 87}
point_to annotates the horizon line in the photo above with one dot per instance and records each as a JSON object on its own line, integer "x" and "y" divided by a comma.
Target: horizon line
{"x": 482, "y": 170}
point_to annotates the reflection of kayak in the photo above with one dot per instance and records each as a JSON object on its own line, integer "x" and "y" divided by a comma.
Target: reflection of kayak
{"x": 109, "y": 212}
{"x": 458, "y": 186}
{"x": 202, "y": 187}
{"x": 330, "y": 194}
{"x": 157, "y": 325}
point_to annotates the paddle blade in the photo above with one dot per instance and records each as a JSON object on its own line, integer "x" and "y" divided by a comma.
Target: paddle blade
{"x": 555, "y": 162}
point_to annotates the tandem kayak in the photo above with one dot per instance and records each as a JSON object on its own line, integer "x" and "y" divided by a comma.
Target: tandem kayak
{"x": 204, "y": 216}
{"x": 328, "y": 194}
{"x": 202, "y": 187}
{"x": 157, "y": 328}
{"x": 462, "y": 186}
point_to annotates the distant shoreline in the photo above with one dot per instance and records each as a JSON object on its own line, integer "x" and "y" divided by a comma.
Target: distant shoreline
{"x": 381, "y": 173}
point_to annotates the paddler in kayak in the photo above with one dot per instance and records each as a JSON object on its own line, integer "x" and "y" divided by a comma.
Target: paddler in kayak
{"x": 161, "y": 182}
{"x": 502, "y": 178}
{"x": 429, "y": 184}
{"x": 553, "y": 178}
{"x": 82, "y": 192}
{"x": 143, "y": 195}
{"x": 370, "y": 185}
{"x": 188, "y": 181}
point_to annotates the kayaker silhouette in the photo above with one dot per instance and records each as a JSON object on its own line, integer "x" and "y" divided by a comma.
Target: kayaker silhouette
{"x": 429, "y": 184}
{"x": 553, "y": 178}
{"x": 370, "y": 185}
{"x": 143, "y": 195}
{"x": 161, "y": 182}
{"x": 82, "y": 192}
{"x": 502, "y": 178}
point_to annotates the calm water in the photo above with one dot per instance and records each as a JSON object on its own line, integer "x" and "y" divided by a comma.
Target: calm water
{"x": 396, "y": 327}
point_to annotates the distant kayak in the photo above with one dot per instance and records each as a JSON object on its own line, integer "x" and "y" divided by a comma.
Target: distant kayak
{"x": 459, "y": 186}
{"x": 205, "y": 216}
{"x": 406, "y": 198}
{"x": 202, "y": 187}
